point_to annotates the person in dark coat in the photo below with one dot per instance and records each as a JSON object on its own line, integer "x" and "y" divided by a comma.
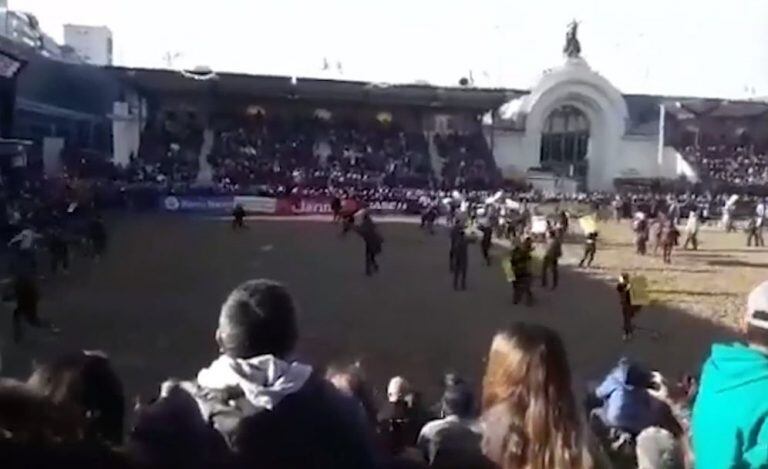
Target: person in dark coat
{"x": 27, "y": 299}
{"x": 97, "y": 233}
{"x": 520, "y": 260}
{"x": 428, "y": 217}
{"x": 562, "y": 221}
{"x": 336, "y": 207}
{"x": 751, "y": 230}
{"x": 456, "y": 229}
{"x": 271, "y": 411}
{"x": 460, "y": 260}
{"x": 640, "y": 227}
{"x": 58, "y": 250}
{"x": 373, "y": 241}
{"x": 485, "y": 242}
{"x": 238, "y": 217}
{"x": 552, "y": 254}
{"x": 590, "y": 248}
{"x": 669, "y": 236}
{"x": 628, "y": 310}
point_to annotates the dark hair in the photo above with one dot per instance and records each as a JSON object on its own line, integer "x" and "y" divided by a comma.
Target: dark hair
{"x": 457, "y": 400}
{"x": 258, "y": 318}
{"x": 351, "y": 380}
{"x": 86, "y": 381}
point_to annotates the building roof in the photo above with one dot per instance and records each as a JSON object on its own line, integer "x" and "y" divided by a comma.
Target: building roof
{"x": 51, "y": 83}
{"x": 164, "y": 81}
{"x": 644, "y": 110}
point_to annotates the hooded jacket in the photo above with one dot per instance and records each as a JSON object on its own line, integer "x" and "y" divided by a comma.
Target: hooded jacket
{"x": 279, "y": 415}
{"x": 730, "y": 416}
{"x": 626, "y": 402}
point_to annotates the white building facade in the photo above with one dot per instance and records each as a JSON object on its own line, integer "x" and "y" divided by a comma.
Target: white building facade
{"x": 574, "y": 124}
{"x": 92, "y": 43}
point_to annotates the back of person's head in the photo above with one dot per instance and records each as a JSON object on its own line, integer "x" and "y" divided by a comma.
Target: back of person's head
{"x": 527, "y": 384}
{"x": 258, "y": 318}
{"x": 87, "y": 381}
{"x": 457, "y": 400}
{"x": 397, "y": 389}
{"x": 756, "y": 319}
{"x": 351, "y": 381}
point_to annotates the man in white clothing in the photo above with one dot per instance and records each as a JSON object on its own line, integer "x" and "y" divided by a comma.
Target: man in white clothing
{"x": 692, "y": 230}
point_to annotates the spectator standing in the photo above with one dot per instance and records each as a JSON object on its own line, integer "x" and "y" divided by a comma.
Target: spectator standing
{"x": 730, "y": 415}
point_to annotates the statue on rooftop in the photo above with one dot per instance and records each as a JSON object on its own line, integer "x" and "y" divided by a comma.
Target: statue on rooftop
{"x": 572, "y": 47}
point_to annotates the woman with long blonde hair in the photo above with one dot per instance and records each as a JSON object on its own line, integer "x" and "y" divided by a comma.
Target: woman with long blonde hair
{"x": 530, "y": 415}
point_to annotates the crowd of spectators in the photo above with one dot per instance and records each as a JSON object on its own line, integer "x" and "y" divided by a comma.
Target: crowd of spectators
{"x": 737, "y": 166}
{"x": 254, "y": 406}
{"x": 318, "y": 152}
{"x": 468, "y": 162}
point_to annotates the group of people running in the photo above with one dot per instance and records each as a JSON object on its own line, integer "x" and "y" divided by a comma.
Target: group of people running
{"x": 56, "y": 240}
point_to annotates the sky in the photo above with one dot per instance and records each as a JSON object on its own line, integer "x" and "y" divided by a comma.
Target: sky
{"x": 711, "y": 48}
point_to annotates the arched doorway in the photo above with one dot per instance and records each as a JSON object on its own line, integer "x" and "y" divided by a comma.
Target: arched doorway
{"x": 564, "y": 143}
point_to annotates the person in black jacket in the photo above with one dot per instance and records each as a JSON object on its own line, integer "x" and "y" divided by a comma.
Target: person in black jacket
{"x": 97, "y": 233}
{"x": 336, "y": 208}
{"x": 552, "y": 255}
{"x": 271, "y": 411}
{"x": 59, "y": 251}
{"x": 590, "y": 248}
{"x": 486, "y": 241}
{"x": 628, "y": 310}
{"x": 27, "y": 299}
{"x": 520, "y": 259}
{"x": 460, "y": 260}
{"x": 238, "y": 217}
{"x": 373, "y": 241}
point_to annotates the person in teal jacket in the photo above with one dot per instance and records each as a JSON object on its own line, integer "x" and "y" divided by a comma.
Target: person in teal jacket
{"x": 730, "y": 416}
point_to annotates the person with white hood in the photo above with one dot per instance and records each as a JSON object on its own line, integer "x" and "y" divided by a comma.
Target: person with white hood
{"x": 270, "y": 410}
{"x": 692, "y": 230}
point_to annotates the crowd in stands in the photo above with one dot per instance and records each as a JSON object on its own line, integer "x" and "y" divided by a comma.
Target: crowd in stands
{"x": 318, "y": 152}
{"x": 254, "y": 406}
{"x": 468, "y": 162}
{"x": 735, "y": 165}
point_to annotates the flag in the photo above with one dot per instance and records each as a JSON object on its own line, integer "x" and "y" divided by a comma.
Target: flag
{"x": 538, "y": 224}
{"x": 506, "y": 267}
{"x": 588, "y": 224}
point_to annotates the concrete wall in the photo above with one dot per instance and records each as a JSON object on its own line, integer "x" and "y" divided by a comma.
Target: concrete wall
{"x": 126, "y": 132}
{"x": 510, "y": 152}
{"x": 638, "y": 157}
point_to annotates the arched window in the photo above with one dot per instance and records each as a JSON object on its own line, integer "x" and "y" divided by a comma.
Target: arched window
{"x": 564, "y": 141}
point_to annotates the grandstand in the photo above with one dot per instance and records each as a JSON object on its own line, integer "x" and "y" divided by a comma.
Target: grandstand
{"x": 556, "y": 134}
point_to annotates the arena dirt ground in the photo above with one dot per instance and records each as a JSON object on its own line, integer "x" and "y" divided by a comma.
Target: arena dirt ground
{"x": 152, "y": 303}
